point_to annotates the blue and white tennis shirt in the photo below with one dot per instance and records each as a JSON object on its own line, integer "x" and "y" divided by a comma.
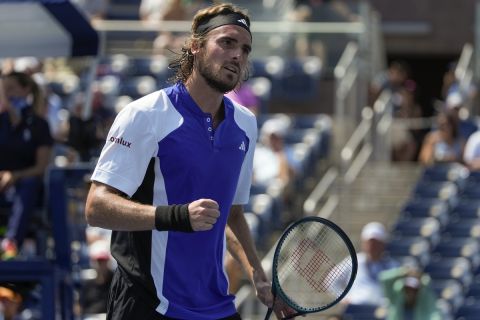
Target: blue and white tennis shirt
{"x": 161, "y": 150}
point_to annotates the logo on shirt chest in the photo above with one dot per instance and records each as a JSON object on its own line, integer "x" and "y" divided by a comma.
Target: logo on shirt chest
{"x": 120, "y": 141}
{"x": 242, "y": 146}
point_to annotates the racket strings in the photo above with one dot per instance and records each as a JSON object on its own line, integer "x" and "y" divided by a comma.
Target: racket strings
{"x": 314, "y": 265}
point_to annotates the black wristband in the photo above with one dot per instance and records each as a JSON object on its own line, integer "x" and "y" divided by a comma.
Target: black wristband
{"x": 173, "y": 218}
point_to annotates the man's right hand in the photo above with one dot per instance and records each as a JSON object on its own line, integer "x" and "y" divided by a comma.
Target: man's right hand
{"x": 203, "y": 214}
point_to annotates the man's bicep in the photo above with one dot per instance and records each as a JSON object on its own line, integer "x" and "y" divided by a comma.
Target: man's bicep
{"x": 100, "y": 188}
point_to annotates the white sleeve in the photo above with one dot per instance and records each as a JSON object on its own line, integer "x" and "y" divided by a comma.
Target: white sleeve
{"x": 242, "y": 194}
{"x": 472, "y": 148}
{"x": 127, "y": 152}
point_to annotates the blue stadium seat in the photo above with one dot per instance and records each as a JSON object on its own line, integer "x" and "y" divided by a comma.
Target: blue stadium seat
{"x": 116, "y": 64}
{"x": 321, "y": 123}
{"x": 310, "y": 121}
{"x": 293, "y": 79}
{"x": 364, "y": 312}
{"x": 459, "y": 247}
{"x": 156, "y": 67}
{"x": 453, "y": 172}
{"x": 473, "y": 292}
{"x": 270, "y": 67}
{"x": 469, "y": 311}
{"x": 426, "y": 227}
{"x": 262, "y": 205}
{"x": 450, "y": 291}
{"x": 137, "y": 87}
{"x": 421, "y": 207}
{"x": 447, "y": 191}
{"x": 471, "y": 190}
{"x": 450, "y": 268}
{"x": 405, "y": 247}
{"x": 310, "y": 151}
{"x": 467, "y": 208}
{"x": 464, "y": 227}
{"x": 299, "y": 80}
{"x": 474, "y": 176}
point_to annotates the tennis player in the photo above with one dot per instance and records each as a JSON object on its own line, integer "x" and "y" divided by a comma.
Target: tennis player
{"x": 174, "y": 172}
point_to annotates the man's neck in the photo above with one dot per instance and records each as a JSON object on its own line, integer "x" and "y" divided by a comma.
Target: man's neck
{"x": 207, "y": 98}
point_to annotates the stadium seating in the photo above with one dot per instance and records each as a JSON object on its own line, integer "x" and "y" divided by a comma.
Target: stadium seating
{"x": 138, "y": 86}
{"x": 439, "y": 226}
{"x": 364, "y": 312}
{"x": 453, "y": 172}
{"x": 468, "y": 312}
{"x": 425, "y": 227}
{"x": 449, "y": 291}
{"x": 465, "y": 247}
{"x": 443, "y": 190}
{"x": 294, "y": 79}
{"x": 445, "y": 268}
{"x": 416, "y": 207}
{"x": 467, "y": 208}
{"x": 463, "y": 227}
{"x": 406, "y": 247}
{"x": 473, "y": 291}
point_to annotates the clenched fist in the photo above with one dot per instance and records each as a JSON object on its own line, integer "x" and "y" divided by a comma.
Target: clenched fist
{"x": 203, "y": 214}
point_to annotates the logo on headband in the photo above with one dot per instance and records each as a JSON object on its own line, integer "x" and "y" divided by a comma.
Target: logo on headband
{"x": 221, "y": 20}
{"x": 243, "y": 21}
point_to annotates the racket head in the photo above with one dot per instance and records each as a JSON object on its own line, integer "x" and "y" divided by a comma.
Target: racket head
{"x": 314, "y": 265}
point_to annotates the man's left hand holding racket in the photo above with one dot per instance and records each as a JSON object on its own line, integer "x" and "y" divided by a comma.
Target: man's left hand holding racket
{"x": 263, "y": 290}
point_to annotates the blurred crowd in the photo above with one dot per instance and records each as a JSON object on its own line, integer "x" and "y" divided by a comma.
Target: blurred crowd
{"x": 43, "y": 122}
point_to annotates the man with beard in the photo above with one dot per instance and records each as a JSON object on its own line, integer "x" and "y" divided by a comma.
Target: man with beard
{"x": 174, "y": 172}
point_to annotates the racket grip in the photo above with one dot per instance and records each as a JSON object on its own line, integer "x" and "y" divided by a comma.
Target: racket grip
{"x": 269, "y": 313}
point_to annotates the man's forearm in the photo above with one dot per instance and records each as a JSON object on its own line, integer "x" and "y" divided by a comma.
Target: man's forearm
{"x": 241, "y": 244}
{"x": 111, "y": 210}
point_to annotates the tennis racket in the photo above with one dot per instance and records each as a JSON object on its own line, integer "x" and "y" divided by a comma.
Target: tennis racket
{"x": 314, "y": 266}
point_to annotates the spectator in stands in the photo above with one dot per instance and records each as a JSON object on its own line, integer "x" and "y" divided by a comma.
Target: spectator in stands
{"x": 392, "y": 79}
{"x": 406, "y": 141}
{"x": 450, "y": 84}
{"x": 443, "y": 144}
{"x": 372, "y": 260}
{"x": 455, "y": 103}
{"x": 273, "y": 162}
{"x": 471, "y": 155}
{"x": 26, "y": 145}
{"x": 175, "y": 170}
{"x": 409, "y": 294}
{"x": 10, "y": 304}
{"x": 94, "y": 291}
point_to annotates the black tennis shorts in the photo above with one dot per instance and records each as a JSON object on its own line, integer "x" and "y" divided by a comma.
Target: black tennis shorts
{"x": 126, "y": 302}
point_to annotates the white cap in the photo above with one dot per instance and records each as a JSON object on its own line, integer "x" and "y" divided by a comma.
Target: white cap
{"x": 26, "y": 64}
{"x": 454, "y": 100}
{"x": 412, "y": 282}
{"x": 278, "y": 125}
{"x": 374, "y": 230}
{"x": 100, "y": 250}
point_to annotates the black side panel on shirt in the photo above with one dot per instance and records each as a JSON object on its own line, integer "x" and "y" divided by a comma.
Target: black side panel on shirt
{"x": 132, "y": 250}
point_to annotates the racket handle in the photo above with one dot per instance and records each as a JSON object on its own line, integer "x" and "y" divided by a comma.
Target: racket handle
{"x": 269, "y": 313}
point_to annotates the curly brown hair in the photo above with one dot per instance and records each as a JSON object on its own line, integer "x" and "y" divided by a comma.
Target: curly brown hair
{"x": 183, "y": 64}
